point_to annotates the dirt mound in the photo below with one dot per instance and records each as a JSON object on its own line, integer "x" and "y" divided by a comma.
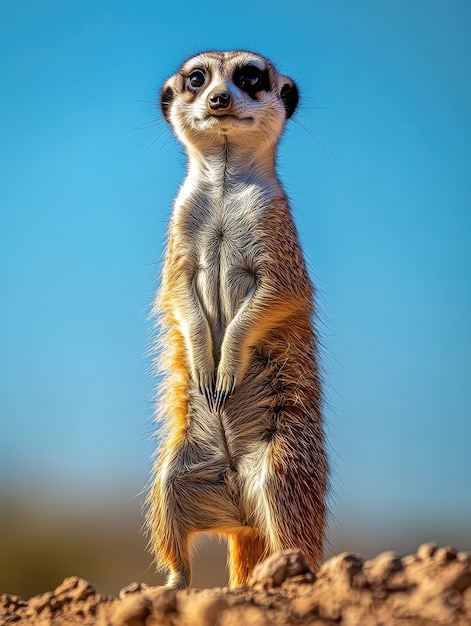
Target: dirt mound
{"x": 431, "y": 587}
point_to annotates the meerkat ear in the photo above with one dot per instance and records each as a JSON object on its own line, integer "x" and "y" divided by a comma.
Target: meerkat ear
{"x": 166, "y": 98}
{"x": 289, "y": 95}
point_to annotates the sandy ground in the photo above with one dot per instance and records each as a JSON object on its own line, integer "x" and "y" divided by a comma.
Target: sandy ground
{"x": 431, "y": 587}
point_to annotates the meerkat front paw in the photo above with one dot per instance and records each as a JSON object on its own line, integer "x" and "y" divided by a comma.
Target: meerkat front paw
{"x": 205, "y": 380}
{"x": 225, "y": 384}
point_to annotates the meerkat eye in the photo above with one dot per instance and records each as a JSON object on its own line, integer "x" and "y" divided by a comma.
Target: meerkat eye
{"x": 250, "y": 79}
{"x": 196, "y": 80}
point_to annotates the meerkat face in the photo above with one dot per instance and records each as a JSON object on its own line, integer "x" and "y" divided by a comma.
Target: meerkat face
{"x": 228, "y": 97}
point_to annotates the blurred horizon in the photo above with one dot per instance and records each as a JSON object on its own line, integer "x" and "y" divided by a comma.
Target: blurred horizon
{"x": 42, "y": 543}
{"x": 89, "y": 173}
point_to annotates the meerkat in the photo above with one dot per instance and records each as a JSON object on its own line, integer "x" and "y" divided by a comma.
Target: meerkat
{"x": 241, "y": 448}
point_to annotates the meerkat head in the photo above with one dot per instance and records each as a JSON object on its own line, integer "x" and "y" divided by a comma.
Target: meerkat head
{"x": 228, "y": 97}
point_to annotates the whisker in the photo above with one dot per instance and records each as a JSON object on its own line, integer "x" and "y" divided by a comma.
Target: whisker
{"x": 145, "y": 126}
{"x": 195, "y": 42}
{"x": 144, "y": 101}
{"x": 304, "y": 116}
{"x": 265, "y": 129}
{"x": 172, "y": 145}
{"x": 309, "y": 131}
{"x": 158, "y": 137}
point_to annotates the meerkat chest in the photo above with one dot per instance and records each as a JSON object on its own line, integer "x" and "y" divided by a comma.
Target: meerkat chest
{"x": 230, "y": 234}
{"x": 226, "y": 244}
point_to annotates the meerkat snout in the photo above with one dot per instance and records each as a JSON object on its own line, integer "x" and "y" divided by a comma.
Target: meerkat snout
{"x": 219, "y": 101}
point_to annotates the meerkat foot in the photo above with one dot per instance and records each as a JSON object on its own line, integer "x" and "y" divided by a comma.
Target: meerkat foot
{"x": 179, "y": 580}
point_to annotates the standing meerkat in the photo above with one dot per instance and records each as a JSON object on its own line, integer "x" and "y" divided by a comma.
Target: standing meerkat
{"x": 241, "y": 442}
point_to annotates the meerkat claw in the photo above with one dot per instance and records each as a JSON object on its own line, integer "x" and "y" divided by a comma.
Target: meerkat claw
{"x": 206, "y": 389}
{"x": 224, "y": 392}
{"x": 220, "y": 400}
{"x": 209, "y": 396}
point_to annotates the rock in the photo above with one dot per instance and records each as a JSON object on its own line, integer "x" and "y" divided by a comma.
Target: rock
{"x": 202, "y": 609}
{"x": 379, "y": 569}
{"x": 347, "y": 567}
{"x": 74, "y": 589}
{"x": 464, "y": 557}
{"x": 132, "y": 611}
{"x": 132, "y": 588}
{"x": 279, "y": 567}
{"x": 444, "y": 555}
{"x": 426, "y": 550}
{"x": 244, "y": 616}
{"x": 164, "y": 599}
{"x": 39, "y": 603}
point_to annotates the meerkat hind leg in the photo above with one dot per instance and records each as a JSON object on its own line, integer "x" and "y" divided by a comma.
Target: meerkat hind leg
{"x": 246, "y": 548}
{"x": 190, "y": 505}
{"x": 296, "y": 498}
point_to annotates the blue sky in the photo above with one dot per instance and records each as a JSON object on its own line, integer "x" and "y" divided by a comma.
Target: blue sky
{"x": 385, "y": 221}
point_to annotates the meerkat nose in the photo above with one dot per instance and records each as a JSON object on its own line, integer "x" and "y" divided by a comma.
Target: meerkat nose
{"x": 219, "y": 100}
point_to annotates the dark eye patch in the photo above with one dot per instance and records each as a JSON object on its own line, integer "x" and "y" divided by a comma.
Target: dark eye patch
{"x": 251, "y": 80}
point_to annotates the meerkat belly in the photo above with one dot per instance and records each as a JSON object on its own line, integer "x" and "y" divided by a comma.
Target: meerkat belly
{"x": 225, "y": 279}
